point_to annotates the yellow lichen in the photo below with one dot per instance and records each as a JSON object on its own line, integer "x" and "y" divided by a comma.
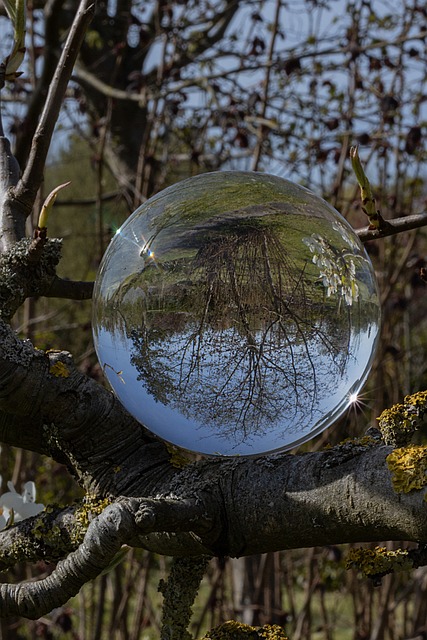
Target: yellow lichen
{"x": 418, "y": 400}
{"x": 177, "y": 457}
{"x": 233, "y": 630}
{"x": 43, "y": 532}
{"x": 90, "y": 507}
{"x": 409, "y": 468}
{"x": 378, "y": 561}
{"x": 363, "y": 441}
{"x": 59, "y": 369}
{"x": 398, "y": 424}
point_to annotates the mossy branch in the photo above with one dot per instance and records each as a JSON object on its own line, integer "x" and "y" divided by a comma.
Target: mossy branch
{"x": 399, "y": 423}
{"x": 380, "y": 561}
{"x": 49, "y": 536}
{"x": 179, "y": 592}
{"x": 122, "y": 522}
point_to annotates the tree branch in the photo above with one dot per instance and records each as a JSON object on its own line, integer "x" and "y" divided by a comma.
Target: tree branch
{"x": 179, "y": 592}
{"x": 119, "y": 523}
{"x": 85, "y": 77}
{"x": 83, "y": 423}
{"x": 70, "y": 289}
{"x": 12, "y": 227}
{"x": 398, "y": 225}
{"x": 267, "y": 504}
{"x": 29, "y": 184}
{"x": 37, "y": 98}
{"x": 237, "y": 506}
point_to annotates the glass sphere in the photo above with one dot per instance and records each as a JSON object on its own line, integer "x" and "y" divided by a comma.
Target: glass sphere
{"x": 236, "y": 313}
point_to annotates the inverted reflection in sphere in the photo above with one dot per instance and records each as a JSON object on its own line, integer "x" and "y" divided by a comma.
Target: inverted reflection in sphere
{"x": 236, "y": 313}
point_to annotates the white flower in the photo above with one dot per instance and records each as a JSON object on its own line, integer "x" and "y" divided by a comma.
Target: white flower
{"x": 23, "y": 505}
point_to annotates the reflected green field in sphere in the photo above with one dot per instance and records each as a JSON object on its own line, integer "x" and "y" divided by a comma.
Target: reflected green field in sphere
{"x": 236, "y": 313}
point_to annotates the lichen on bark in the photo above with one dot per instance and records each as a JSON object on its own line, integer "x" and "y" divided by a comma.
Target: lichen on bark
{"x": 375, "y": 563}
{"x": 399, "y": 423}
{"x": 232, "y": 630}
{"x": 27, "y": 269}
{"x": 409, "y": 468}
{"x": 179, "y": 592}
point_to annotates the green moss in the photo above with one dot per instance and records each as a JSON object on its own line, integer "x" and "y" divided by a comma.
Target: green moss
{"x": 398, "y": 424}
{"x": 379, "y": 561}
{"x": 233, "y": 630}
{"x": 51, "y": 535}
{"x": 409, "y": 468}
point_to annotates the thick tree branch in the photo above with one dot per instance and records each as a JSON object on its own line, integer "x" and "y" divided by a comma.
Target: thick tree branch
{"x": 271, "y": 503}
{"x": 19, "y": 431}
{"x": 237, "y": 506}
{"x": 83, "y": 422}
{"x": 70, "y": 289}
{"x": 50, "y": 536}
{"x": 333, "y": 496}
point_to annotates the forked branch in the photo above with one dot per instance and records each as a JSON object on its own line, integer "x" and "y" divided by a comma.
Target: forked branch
{"x": 120, "y": 523}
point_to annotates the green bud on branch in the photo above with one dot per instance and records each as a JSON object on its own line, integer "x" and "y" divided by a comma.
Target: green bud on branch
{"x": 48, "y": 204}
{"x": 368, "y": 201}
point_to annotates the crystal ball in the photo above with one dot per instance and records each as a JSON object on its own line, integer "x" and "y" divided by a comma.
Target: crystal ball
{"x": 236, "y": 313}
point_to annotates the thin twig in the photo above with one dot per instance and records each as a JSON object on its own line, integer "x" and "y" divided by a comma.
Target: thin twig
{"x": 29, "y": 184}
{"x": 398, "y": 225}
{"x": 266, "y": 83}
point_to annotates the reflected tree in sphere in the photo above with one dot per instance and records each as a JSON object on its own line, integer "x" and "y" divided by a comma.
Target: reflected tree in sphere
{"x": 236, "y": 313}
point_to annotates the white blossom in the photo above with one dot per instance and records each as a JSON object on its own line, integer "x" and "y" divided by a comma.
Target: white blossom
{"x": 23, "y": 505}
{"x": 337, "y": 270}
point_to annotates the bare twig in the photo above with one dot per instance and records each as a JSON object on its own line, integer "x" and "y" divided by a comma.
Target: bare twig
{"x": 398, "y": 225}
{"x": 266, "y": 83}
{"x": 29, "y": 184}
